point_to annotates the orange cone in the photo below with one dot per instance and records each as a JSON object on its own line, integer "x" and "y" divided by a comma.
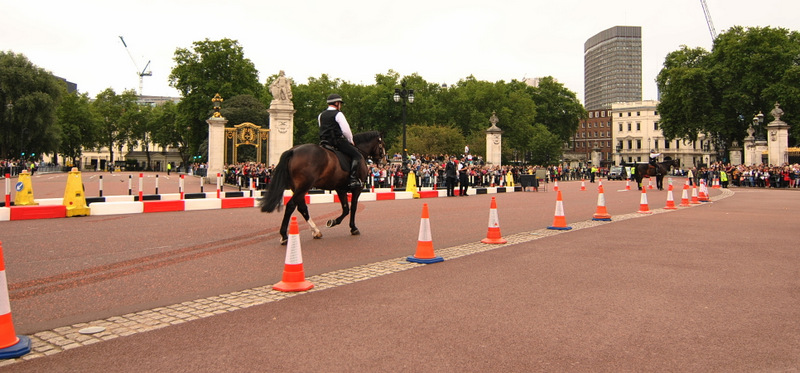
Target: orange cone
{"x": 493, "y": 236}
{"x": 716, "y": 184}
{"x": 627, "y": 184}
{"x": 703, "y": 192}
{"x": 583, "y": 185}
{"x": 601, "y": 214}
{"x": 670, "y": 198}
{"x": 643, "y": 207}
{"x": 424, "y": 252}
{"x": 559, "y": 221}
{"x": 695, "y": 199}
{"x": 555, "y": 186}
{"x": 294, "y": 278}
{"x": 11, "y": 345}
{"x": 650, "y": 183}
{"x": 685, "y": 195}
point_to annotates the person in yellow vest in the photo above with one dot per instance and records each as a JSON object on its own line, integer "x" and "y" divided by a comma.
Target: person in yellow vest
{"x": 723, "y": 178}
{"x": 592, "y": 173}
{"x": 169, "y": 167}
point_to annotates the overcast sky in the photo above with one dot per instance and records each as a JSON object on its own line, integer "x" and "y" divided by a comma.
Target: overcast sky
{"x": 443, "y": 41}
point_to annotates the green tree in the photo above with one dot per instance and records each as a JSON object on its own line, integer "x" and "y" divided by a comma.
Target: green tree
{"x": 718, "y": 93}
{"x": 111, "y": 110}
{"x": 29, "y": 96}
{"x": 78, "y": 125}
{"x": 139, "y": 124}
{"x": 245, "y": 108}
{"x": 170, "y": 130}
{"x": 544, "y": 147}
{"x": 210, "y": 67}
{"x": 433, "y": 139}
{"x": 557, "y": 108}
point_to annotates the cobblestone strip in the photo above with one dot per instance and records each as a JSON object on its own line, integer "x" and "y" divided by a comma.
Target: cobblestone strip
{"x": 51, "y": 342}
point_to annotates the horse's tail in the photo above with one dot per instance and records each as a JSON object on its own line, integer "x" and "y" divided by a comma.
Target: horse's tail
{"x": 278, "y": 183}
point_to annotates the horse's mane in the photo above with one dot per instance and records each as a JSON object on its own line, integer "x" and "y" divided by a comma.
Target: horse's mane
{"x": 365, "y": 136}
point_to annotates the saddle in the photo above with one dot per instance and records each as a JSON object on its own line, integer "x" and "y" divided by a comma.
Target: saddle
{"x": 344, "y": 160}
{"x": 656, "y": 170}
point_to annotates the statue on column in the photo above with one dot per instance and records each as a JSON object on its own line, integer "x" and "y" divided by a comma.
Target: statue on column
{"x": 281, "y": 88}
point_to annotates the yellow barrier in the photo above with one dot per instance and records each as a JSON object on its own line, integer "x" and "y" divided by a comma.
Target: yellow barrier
{"x": 74, "y": 195}
{"x": 24, "y": 190}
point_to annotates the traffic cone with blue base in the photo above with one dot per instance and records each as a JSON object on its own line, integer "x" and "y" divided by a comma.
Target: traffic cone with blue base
{"x": 559, "y": 220}
{"x": 424, "y": 252}
{"x": 294, "y": 278}
{"x": 11, "y": 345}
{"x": 602, "y": 213}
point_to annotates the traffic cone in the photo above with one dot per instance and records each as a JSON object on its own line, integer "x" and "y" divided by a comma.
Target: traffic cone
{"x": 559, "y": 221}
{"x": 601, "y": 214}
{"x": 627, "y": 184}
{"x": 493, "y": 235}
{"x": 650, "y": 183}
{"x": 703, "y": 192}
{"x": 424, "y": 252}
{"x": 11, "y": 345}
{"x": 716, "y": 184}
{"x": 294, "y": 278}
{"x": 643, "y": 207}
{"x": 583, "y": 185}
{"x": 670, "y": 198}
{"x": 24, "y": 188}
{"x": 555, "y": 186}
{"x": 695, "y": 199}
{"x": 685, "y": 195}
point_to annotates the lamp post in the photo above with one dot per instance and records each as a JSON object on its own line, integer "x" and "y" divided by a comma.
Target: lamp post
{"x": 758, "y": 123}
{"x": 406, "y": 96}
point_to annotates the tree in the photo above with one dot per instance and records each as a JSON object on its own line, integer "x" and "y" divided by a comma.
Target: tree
{"x": 78, "y": 125}
{"x": 717, "y": 93}
{"x": 211, "y": 67}
{"x": 110, "y": 109}
{"x": 170, "y": 130}
{"x": 245, "y": 108}
{"x": 544, "y": 146}
{"x": 29, "y": 97}
{"x": 557, "y": 108}
{"x": 434, "y": 139}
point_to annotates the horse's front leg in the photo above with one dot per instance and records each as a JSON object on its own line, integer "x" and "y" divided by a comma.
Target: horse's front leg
{"x": 353, "y": 229}
{"x": 287, "y": 215}
{"x": 345, "y": 209}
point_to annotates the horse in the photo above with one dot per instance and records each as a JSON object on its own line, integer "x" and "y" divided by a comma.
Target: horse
{"x": 313, "y": 166}
{"x": 661, "y": 169}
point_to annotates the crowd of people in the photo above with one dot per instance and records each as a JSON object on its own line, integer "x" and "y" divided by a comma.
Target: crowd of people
{"x": 760, "y": 176}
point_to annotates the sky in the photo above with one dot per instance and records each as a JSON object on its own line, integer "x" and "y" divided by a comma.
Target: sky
{"x": 443, "y": 41}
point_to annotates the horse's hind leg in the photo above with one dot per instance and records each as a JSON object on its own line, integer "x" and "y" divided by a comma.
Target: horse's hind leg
{"x": 353, "y": 229}
{"x": 287, "y": 215}
{"x": 302, "y": 208}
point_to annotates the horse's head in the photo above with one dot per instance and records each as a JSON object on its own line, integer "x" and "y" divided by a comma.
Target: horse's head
{"x": 371, "y": 146}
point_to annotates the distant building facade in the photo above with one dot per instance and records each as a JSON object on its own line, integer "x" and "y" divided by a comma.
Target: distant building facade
{"x": 612, "y": 64}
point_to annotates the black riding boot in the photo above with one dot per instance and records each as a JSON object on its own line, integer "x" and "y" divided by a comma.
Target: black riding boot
{"x": 355, "y": 183}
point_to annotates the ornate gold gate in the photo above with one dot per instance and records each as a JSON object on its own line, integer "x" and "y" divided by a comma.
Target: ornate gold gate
{"x": 246, "y": 134}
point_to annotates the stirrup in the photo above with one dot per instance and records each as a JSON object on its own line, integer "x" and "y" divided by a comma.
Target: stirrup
{"x": 355, "y": 184}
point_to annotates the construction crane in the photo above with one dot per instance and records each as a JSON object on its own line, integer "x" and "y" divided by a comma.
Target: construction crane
{"x": 144, "y": 72}
{"x": 708, "y": 20}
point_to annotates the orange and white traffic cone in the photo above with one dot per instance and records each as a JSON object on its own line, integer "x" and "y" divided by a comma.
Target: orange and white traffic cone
{"x": 695, "y": 199}
{"x": 11, "y": 345}
{"x": 685, "y": 195}
{"x": 294, "y": 278}
{"x": 493, "y": 235}
{"x": 583, "y": 185}
{"x": 716, "y": 184}
{"x": 559, "y": 221}
{"x": 601, "y": 214}
{"x": 643, "y": 207}
{"x": 627, "y": 184}
{"x": 424, "y": 252}
{"x": 555, "y": 186}
{"x": 650, "y": 183}
{"x": 670, "y": 198}
{"x": 703, "y": 192}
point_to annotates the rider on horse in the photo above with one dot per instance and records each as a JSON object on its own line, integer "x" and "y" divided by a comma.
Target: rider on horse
{"x": 653, "y": 158}
{"x": 334, "y": 130}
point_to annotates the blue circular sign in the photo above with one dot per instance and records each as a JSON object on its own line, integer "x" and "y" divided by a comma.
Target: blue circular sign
{"x": 19, "y": 186}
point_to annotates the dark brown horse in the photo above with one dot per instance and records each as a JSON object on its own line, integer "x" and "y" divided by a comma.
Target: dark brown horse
{"x": 311, "y": 166}
{"x": 661, "y": 169}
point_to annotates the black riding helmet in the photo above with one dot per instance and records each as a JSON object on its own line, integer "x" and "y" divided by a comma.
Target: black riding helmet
{"x": 334, "y": 98}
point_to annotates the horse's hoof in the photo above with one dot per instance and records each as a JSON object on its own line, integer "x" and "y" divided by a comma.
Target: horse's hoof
{"x": 331, "y": 223}
{"x": 284, "y": 241}
{"x": 355, "y": 232}
{"x": 317, "y": 236}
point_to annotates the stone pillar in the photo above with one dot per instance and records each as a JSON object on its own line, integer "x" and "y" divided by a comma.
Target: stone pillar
{"x": 596, "y": 157}
{"x": 749, "y": 148}
{"x": 494, "y": 142}
{"x": 281, "y": 119}
{"x": 216, "y": 144}
{"x": 778, "y": 138}
{"x": 735, "y": 154}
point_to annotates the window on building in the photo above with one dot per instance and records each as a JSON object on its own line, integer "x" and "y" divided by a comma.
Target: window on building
{"x": 591, "y": 115}
{"x": 620, "y": 115}
{"x": 677, "y": 144}
{"x": 629, "y": 113}
{"x": 638, "y": 126}
{"x": 629, "y": 127}
{"x": 655, "y": 126}
{"x": 638, "y": 159}
{"x": 583, "y": 125}
{"x": 638, "y": 113}
{"x": 630, "y": 144}
{"x": 666, "y": 144}
{"x": 638, "y": 144}
{"x": 603, "y": 113}
{"x": 656, "y": 112}
{"x": 655, "y": 144}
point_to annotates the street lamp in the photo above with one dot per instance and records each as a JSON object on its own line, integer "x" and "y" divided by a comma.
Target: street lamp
{"x": 217, "y": 100}
{"x": 758, "y": 122}
{"x": 406, "y": 96}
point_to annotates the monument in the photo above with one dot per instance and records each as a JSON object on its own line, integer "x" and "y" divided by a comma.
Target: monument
{"x": 281, "y": 118}
{"x": 216, "y": 139}
{"x": 778, "y": 138}
{"x": 494, "y": 142}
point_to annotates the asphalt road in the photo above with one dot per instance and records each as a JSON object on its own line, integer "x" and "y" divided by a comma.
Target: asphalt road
{"x": 708, "y": 288}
